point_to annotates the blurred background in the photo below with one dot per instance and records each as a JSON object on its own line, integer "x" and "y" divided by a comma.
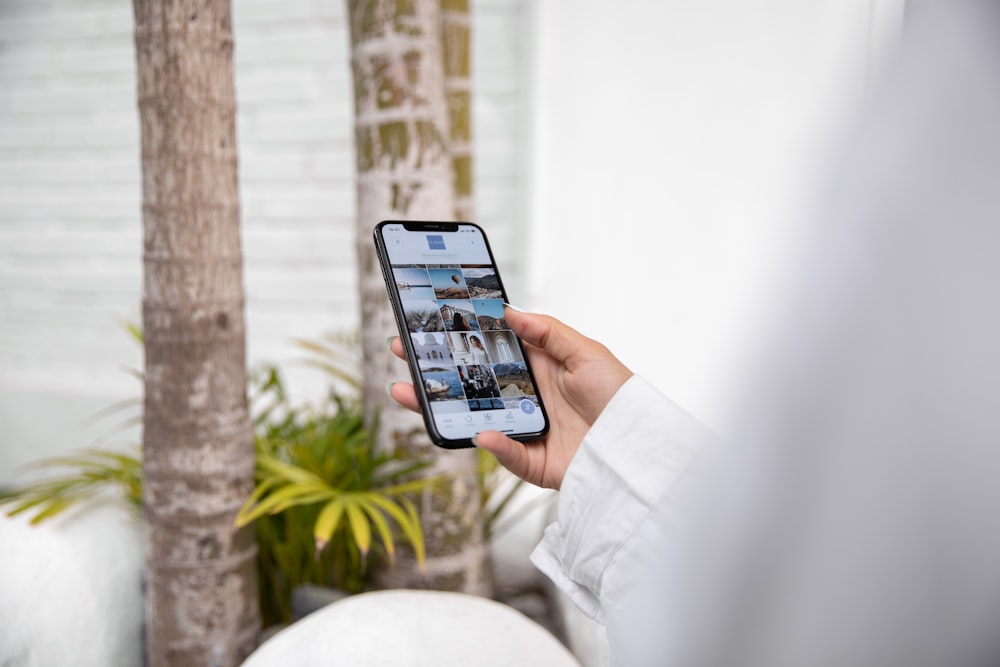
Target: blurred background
{"x": 638, "y": 166}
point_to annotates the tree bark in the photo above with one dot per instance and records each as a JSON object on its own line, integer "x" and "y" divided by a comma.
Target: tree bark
{"x": 456, "y": 38}
{"x": 404, "y": 172}
{"x": 198, "y": 455}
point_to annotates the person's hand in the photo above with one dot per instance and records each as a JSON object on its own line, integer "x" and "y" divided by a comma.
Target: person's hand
{"x": 576, "y": 378}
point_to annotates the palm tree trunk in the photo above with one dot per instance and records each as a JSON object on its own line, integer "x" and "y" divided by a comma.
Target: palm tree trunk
{"x": 198, "y": 455}
{"x": 404, "y": 171}
{"x": 456, "y": 37}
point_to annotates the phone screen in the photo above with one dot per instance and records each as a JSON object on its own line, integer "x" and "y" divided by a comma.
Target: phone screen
{"x": 469, "y": 368}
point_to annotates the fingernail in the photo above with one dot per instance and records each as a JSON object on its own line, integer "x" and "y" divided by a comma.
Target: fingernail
{"x": 388, "y": 388}
{"x": 388, "y": 341}
{"x": 513, "y": 307}
{"x": 474, "y": 440}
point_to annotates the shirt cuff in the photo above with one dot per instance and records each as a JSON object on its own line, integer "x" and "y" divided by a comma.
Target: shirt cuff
{"x": 631, "y": 457}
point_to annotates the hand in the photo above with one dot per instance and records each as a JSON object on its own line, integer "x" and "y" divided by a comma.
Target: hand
{"x": 576, "y": 378}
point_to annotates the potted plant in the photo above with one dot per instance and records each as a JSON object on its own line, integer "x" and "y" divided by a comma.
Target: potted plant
{"x": 327, "y": 505}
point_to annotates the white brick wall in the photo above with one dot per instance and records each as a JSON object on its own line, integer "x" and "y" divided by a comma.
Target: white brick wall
{"x": 70, "y": 203}
{"x": 69, "y": 194}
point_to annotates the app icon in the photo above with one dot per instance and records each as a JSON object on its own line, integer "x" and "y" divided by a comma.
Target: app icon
{"x": 527, "y": 407}
{"x": 435, "y": 242}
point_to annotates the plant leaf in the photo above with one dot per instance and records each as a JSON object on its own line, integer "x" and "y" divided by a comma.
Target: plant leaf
{"x": 415, "y": 533}
{"x": 290, "y": 472}
{"x": 246, "y": 513}
{"x": 133, "y": 329}
{"x": 381, "y": 525}
{"x": 304, "y": 499}
{"x": 285, "y": 497}
{"x": 413, "y": 486}
{"x": 327, "y": 522}
{"x": 359, "y": 526}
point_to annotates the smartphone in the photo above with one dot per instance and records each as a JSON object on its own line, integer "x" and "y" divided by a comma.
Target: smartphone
{"x": 469, "y": 369}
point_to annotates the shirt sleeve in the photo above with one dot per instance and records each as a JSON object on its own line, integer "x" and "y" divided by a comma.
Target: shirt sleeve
{"x": 608, "y": 494}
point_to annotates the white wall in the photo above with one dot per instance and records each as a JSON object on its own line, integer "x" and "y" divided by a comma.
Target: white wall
{"x": 685, "y": 125}
{"x": 671, "y": 148}
{"x": 70, "y": 201}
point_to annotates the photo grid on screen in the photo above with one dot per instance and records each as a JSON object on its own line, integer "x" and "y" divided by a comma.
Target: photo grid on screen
{"x": 469, "y": 359}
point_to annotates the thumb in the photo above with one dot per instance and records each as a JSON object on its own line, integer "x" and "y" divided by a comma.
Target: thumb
{"x": 511, "y": 454}
{"x": 557, "y": 339}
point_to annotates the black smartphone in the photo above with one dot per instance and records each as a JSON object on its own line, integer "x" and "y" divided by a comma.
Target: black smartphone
{"x": 469, "y": 369}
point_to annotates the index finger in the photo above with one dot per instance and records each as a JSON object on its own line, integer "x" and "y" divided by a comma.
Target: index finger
{"x": 396, "y": 345}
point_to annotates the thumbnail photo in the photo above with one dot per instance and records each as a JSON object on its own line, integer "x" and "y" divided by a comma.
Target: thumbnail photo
{"x": 417, "y": 294}
{"x": 432, "y": 350}
{"x": 490, "y": 314}
{"x": 478, "y": 382}
{"x": 448, "y": 284}
{"x": 468, "y": 347}
{"x": 450, "y": 407}
{"x": 502, "y": 346}
{"x": 513, "y": 379}
{"x": 422, "y": 316}
{"x": 485, "y": 404}
{"x": 482, "y": 282}
{"x": 459, "y": 316}
{"x": 442, "y": 384}
{"x": 513, "y": 403}
{"x": 409, "y": 278}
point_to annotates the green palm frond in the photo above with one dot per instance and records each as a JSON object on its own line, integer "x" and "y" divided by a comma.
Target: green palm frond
{"x": 351, "y": 509}
{"x": 93, "y": 470}
{"x": 326, "y": 503}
